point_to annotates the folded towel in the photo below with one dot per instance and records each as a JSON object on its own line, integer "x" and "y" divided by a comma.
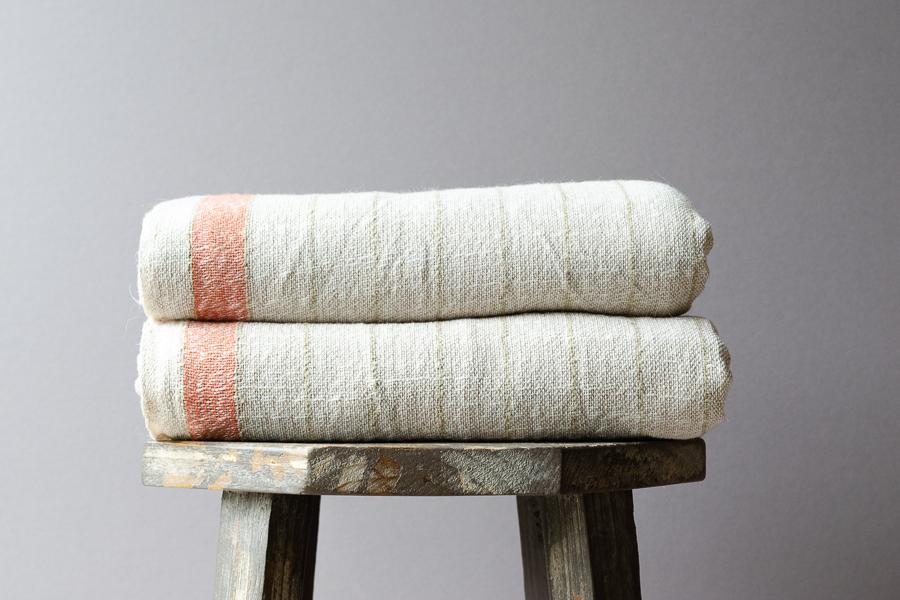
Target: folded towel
{"x": 548, "y": 376}
{"x": 618, "y": 247}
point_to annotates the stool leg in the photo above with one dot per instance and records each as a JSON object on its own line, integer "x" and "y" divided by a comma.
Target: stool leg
{"x": 267, "y": 546}
{"x": 581, "y": 547}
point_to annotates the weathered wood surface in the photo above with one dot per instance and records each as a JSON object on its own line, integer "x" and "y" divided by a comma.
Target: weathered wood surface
{"x": 267, "y": 546}
{"x": 576, "y": 546}
{"x": 423, "y": 469}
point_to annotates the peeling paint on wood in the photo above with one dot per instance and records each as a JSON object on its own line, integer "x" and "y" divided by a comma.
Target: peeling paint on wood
{"x": 423, "y": 469}
{"x": 267, "y": 546}
{"x": 575, "y": 507}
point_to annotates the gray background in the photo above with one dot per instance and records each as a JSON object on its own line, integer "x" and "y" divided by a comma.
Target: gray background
{"x": 780, "y": 120}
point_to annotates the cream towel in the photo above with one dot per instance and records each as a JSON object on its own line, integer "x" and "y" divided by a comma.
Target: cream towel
{"x": 629, "y": 248}
{"x": 547, "y": 376}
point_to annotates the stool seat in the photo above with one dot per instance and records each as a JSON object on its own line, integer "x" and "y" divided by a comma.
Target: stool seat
{"x": 424, "y": 469}
{"x": 574, "y": 502}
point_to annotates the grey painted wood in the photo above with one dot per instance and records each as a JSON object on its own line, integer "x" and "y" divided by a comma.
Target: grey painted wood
{"x": 291, "y": 554}
{"x": 555, "y": 554}
{"x": 423, "y": 469}
{"x": 267, "y": 546}
{"x": 243, "y": 537}
{"x": 612, "y": 539}
{"x": 579, "y": 546}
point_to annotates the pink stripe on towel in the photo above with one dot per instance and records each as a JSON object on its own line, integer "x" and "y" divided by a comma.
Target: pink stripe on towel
{"x": 217, "y": 258}
{"x": 209, "y": 369}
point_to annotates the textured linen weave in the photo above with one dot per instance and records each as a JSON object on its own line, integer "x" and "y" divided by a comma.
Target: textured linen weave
{"x": 544, "y": 376}
{"x": 613, "y": 247}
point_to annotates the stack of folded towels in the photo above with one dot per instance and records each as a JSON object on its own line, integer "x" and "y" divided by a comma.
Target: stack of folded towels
{"x": 532, "y": 312}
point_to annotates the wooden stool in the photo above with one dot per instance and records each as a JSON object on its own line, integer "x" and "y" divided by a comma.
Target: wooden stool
{"x": 574, "y": 500}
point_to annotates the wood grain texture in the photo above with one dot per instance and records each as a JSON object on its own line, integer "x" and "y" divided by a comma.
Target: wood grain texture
{"x": 423, "y": 469}
{"x": 612, "y": 539}
{"x": 267, "y": 546}
{"x": 579, "y": 547}
{"x": 555, "y": 554}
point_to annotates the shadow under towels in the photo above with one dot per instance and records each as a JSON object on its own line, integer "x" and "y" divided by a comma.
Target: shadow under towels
{"x": 546, "y": 376}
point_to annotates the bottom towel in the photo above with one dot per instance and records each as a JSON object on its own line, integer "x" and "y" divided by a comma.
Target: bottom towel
{"x": 547, "y": 376}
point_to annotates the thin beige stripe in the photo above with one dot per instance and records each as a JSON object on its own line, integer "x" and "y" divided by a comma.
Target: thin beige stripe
{"x": 376, "y": 256}
{"x": 507, "y": 390}
{"x": 313, "y": 268}
{"x": 700, "y": 258}
{"x": 577, "y": 398}
{"x": 704, "y": 357}
{"x": 632, "y": 250}
{"x": 376, "y": 399}
{"x": 473, "y": 394}
{"x": 639, "y": 378}
{"x": 307, "y": 380}
{"x": 504, "y": 253}
{"x": 440, "y": 364}
{"x": 438, "y": 281}
{"x": 567, "y": 248}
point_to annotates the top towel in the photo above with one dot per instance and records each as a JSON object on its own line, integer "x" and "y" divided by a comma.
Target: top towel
{"x": 616, "y": 247}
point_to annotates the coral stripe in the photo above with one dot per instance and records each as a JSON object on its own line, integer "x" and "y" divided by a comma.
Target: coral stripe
{"x": 210, "y": 360}
{"x": 217, "y": 258}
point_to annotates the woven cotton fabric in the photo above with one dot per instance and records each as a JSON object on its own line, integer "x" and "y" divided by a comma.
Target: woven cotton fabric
{"x": 613, "y": 247}
{"x": 548, "y": 376}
